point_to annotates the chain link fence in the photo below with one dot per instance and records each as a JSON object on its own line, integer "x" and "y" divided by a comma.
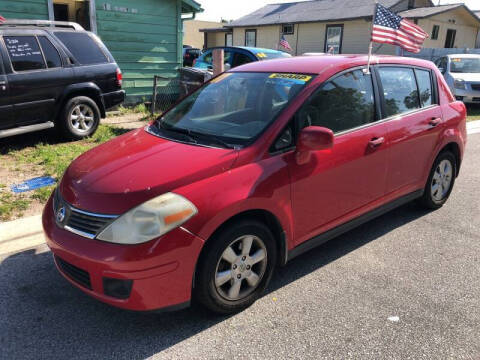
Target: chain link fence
{"x": 168, "y": 91}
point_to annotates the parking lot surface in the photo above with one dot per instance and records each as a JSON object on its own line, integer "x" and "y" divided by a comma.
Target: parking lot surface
{"x": 403, "y": 286}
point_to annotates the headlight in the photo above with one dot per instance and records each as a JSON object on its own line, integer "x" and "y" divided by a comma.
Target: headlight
{"x": 150, "y": 220}
{"x": 459, "y": 84}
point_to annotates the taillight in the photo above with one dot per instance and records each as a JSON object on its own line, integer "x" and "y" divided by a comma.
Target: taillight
{"x": 119, "y": 77}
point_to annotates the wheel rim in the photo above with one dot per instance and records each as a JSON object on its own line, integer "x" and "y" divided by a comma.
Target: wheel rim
{"x": 241, "y": 268}
{"x": 82, "y": 118}
{"x": 442, "y": 180}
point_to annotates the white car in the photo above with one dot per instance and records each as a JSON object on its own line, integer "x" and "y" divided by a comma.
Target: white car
{"x": 462, "y": 73}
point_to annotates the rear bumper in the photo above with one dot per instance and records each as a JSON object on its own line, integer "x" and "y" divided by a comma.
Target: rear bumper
{"x": 113, "y": 99}
{"x": 157, "y": 274}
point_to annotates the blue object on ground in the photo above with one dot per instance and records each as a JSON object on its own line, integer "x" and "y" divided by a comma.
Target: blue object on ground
{"x": 33, "y": 184}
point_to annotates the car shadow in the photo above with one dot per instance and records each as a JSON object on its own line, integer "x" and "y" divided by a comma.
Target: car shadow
{"x": 43, "y": 315}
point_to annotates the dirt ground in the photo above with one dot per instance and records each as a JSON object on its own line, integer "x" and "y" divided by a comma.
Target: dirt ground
{"x": 16, "y": 168}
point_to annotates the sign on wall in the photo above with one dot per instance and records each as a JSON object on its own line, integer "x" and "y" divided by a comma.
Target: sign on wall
{"x": 109, "y": 7}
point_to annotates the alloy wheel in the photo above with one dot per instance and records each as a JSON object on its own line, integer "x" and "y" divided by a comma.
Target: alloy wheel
{"x": 241, "y": 268}
{"x": 82, "y": 118}
{"x": 442, "y": 180}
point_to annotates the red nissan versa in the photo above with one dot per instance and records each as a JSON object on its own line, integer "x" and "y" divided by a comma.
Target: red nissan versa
{"x": 256, "y": 167}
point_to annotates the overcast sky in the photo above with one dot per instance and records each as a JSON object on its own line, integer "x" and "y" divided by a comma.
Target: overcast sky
{"x": 215, "y": 10}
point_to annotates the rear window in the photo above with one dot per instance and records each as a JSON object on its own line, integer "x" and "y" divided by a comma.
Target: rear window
{"x": 24, "y": 53}
{"x": 85, "y": 50}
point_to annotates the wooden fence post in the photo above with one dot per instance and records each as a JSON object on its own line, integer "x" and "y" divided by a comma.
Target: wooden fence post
{"x": 218, "y": 65}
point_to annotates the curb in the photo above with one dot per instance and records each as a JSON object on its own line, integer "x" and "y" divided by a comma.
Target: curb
{"x": 473, "y": 127}
{"x": 21, "y": 234}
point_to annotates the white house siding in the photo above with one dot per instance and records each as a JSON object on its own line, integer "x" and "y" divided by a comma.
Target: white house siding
{"x": 467, "y": 29}
{"x": 215, "y": 39}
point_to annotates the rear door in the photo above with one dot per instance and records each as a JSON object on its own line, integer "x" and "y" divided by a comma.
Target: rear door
{"x": 5, "y": 105}
{"x": 414, "y": 117}
{"x": 36, "y": 76}
{"x": 335, "y": 183}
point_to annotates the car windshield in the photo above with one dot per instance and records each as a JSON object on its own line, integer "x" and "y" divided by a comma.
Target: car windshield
{"x": 234, "y": 108}
{"x": 465, "y": 65}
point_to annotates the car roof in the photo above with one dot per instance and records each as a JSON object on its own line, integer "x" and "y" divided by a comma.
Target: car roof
{"x": 317, "y": 64}
{"x": 253, "y": 50}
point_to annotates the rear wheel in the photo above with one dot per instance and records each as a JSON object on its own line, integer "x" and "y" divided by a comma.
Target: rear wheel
{"x": 79, "y": 118}
{"x": 236, "y": 267}
{"x": 440, "y": 181}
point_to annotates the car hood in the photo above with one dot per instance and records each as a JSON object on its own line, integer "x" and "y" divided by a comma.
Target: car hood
{"x": 133, "y": 168}
{"x": 468, "y": 77}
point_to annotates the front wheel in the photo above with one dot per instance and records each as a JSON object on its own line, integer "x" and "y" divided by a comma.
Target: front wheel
{"x": 79, "y": 118}
{"x": 236, "y": 267}
{"x": 440, "y": 181}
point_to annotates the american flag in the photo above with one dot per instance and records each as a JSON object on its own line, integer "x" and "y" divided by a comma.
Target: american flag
{"x": 2, "y": 19}
{"x": 389, "y": 28}
{"x": 284, "y": 43}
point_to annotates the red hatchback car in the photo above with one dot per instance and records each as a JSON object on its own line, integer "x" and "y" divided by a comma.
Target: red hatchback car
{"x": 259, "y": 165}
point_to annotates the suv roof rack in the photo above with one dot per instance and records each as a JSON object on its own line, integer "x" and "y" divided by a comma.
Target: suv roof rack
{"x": 42, "y": 23}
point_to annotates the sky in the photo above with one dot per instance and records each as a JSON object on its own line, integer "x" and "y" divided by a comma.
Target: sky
{"x": 215, "y": 10}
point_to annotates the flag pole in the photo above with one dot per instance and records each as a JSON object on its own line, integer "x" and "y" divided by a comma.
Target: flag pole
{"x": 370, "y": 46}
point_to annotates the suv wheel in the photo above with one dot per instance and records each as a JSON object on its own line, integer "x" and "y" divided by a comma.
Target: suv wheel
{"x": 236, "y": 267}
{"x": 440, "y": 182}
{"x": 79, "y": 118}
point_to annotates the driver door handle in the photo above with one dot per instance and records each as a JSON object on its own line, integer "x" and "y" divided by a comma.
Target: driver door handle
{"x": 376, "y": 142}
{"x": 435, "y": 121}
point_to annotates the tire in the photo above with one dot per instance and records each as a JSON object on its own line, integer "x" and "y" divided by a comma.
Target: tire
{"x": 440, "y": 181}
{"x": 79, "y": 118}
{"x": 232, "y": 269}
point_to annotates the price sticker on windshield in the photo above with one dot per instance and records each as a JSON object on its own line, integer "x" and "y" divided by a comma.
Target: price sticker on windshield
{"x": 456, "y": 60}
{"x": 294, "y": 77}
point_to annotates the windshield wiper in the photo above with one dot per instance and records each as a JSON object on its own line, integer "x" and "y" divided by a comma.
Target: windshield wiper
{"x": 193, "y": 136}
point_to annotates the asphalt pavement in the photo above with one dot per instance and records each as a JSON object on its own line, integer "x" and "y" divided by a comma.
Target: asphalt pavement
{"x": 403, "y": 286}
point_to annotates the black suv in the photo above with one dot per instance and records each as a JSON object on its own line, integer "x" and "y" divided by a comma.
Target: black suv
{"x": 55, "y": 75}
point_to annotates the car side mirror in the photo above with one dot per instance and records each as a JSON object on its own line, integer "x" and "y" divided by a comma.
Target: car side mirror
{"x": 313, "y": 138}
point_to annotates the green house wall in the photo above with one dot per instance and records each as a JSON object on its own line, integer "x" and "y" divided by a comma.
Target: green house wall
{"x": 24, "y": 9}
{"x": 145, "y": 43}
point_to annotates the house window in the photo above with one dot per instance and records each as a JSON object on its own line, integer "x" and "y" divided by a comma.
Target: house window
{"x": 251, "y": 38}
{"x": 450, "y": 40}
{"x": 228, "y": 39}
{"x": 288, "y": 29}
{"x": 333, "y": 39}
{"x": 435, "y": 30}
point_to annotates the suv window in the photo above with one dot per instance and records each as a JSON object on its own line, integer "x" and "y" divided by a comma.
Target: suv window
{"x": 344, "y": 103}
{"x": 85, "y": 50}
{"x": 24, "y": 53}
{"x": 424, "y": 81}
{"x": 240, "y": 59}
{"x": 399, "y": 89}
{"x": 50, "y": 52}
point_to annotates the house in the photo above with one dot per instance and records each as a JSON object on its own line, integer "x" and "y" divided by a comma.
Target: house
{"x": 144, "y": 36}
{"x": 345, "y": 25}
{"x": 192, "y": 34}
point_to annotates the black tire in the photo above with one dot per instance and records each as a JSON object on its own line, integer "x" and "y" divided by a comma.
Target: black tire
{"x": 428, "y": 199}
{"x": 205, "y": 289}
{"x": 67, "y": 128}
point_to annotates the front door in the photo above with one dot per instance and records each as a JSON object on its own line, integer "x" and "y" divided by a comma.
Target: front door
{"x": 36, "y": 77}
{"x": 450, "y": 39}
{"x": 414, "y": 126}
{"x": 334, "y": 183}
{"x": 5, "y": 104}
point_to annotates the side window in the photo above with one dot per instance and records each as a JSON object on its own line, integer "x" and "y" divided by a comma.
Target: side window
{"x": 424, "y": 81}
{"x": 343, "y": 103}
{"x": 208, "y": 57}
{"x": 399, "y": 89}
{"x": 285, "y": 140}
{"x": 51, "y": 54}
{"x": 240, "y": 59}
{"x": 24, "y": 53}
{"x": 82, "y": 47}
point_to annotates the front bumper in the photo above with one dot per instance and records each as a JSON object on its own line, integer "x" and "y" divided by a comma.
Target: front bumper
{"x": 160, "y": 272}
{"x": 467, "y": 96}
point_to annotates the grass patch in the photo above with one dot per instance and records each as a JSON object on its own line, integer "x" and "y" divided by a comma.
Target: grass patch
{"x": 473, "y": 113}
{"x": 138, "y": 109}
{"x": 52, "y": 159}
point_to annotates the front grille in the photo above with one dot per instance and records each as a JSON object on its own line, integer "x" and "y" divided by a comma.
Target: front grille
{"x": 476, "y": 99}
{"x": 475, "y": 87}
{"x": 76, "y": 274}
{"x": 78, "y": 221}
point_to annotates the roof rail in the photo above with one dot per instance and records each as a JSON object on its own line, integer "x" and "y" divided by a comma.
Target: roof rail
{"x": 42, "y": 23}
